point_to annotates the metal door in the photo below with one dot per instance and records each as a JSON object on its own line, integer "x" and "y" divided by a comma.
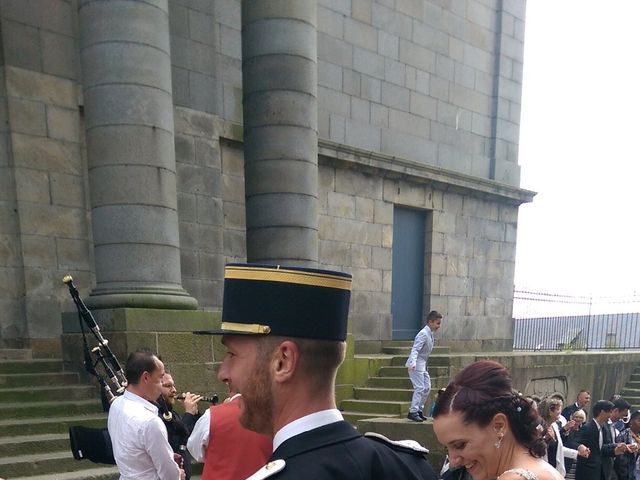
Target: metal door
{"x": 407, "y": 277}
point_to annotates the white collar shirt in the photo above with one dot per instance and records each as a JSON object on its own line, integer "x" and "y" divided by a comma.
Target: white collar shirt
{"x": 306, "y": 423}
{"x": 600, "y": 438}
{"x": 139, "y": 440}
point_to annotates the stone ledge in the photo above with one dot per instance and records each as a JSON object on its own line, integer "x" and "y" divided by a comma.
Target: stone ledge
{"x": 395, "y": 167}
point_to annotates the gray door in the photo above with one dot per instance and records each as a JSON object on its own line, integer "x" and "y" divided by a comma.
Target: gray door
{"x": 407, "y": 288}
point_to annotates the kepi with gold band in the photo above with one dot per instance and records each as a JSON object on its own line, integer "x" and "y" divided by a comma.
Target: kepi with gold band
{"x": 285, "y": 301}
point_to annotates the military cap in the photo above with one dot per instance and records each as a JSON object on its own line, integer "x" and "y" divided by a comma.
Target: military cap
{"x": 285, "y": 301}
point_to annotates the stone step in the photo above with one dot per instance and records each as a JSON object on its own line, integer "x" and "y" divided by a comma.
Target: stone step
{"x": 406, "y": 349}
{"x": 15, "y": 354}
{"x": 353, "y": 417}
{"x": 38, "y": 464}
{"x": 629, "y": 392}
{"x": 635, "y": 376}
{"x": 434, "y": 360}
{"x": 11, "y": 380}
{"x": 48, "y": 393}
{"x": 401, "y": 371}
{"x": 30, "y": 366}
{"x": 49, "y": 424}
{"x": 42, "y": 409}
{"x": 633, "y": 384}
{"x": 404, "y": 382}
{"x": 374, "y": 406}
{"x": 31, "y": 444}
{"x": 389, "y": 382}
{"x": 632, "y": 399}
{"x": 383, "y": 394}
{"x": 92, "y": 472}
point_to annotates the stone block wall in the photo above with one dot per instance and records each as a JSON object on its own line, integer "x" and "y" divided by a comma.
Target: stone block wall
{"x": 469, "y": 255}
{"x": 49, "y": 175}
{"x": 407, "y": 116}
{"x": 418, "y": 80}
{"x": 210, "y": 176}
{"x": 421, "y": 80}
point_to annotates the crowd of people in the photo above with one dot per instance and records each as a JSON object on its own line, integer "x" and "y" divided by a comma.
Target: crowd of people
{"x": 281, "y": 421}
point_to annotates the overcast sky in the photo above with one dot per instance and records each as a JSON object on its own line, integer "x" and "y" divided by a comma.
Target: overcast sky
{"x": 579, "y": 148}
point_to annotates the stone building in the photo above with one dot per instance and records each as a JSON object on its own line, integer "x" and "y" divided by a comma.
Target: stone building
{"x": 145, "y": 143}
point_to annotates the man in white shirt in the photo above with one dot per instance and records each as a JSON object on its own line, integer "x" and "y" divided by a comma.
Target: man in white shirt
{"x": 417, "y": 366}
{"x": 138, "y": 436}
{"x": 285, "y": 329}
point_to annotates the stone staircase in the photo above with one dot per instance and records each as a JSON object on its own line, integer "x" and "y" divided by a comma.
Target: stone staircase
{"x": 388, "y": 393}
{"x": 38, "y": 403}
{"x": 631, "y": 391}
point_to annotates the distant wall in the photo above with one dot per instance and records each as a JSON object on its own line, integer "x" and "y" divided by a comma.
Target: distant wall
{"x": 603, "y": 373}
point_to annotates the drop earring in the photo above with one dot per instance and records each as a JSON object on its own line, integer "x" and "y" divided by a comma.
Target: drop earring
{"x": 498, "y": 444}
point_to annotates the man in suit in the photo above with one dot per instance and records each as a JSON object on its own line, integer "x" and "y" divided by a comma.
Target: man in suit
{"x": 581, "y": 401}
{"x": 595, "y": 436}
{"x": 285, "y": 329}
{"x": 620, "y": 410}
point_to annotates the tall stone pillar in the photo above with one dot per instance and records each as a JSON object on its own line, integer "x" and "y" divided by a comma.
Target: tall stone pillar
{"x": 279, "y": 75}
{"x": 126, "y": 74}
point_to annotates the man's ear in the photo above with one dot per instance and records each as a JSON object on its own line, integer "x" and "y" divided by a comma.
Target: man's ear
{"x": 285, "y": 360}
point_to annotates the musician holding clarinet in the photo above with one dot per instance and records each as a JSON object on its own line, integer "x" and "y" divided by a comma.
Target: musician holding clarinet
{"x": 178, "y": 427}
{"x": 138, "y": 436}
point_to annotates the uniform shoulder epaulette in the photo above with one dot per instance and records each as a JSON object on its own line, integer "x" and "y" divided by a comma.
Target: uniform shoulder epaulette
{"x": 269, "y": 469}
{"x": 408, "y": 444}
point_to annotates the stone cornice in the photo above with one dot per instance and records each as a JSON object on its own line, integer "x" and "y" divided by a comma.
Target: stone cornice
{"x": 389, "y": 166}
{"x": 396, "y": 167}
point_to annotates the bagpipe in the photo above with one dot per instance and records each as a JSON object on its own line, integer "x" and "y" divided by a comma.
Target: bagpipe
{"x": 104, "y": 356}
{"x": 100, "y": 362}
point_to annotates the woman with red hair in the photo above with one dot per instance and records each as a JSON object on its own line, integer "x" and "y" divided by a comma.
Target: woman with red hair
{"x": 489, "y": 428}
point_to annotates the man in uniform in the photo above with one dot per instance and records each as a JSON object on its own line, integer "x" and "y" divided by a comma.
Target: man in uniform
{"x": 284, "y": 329}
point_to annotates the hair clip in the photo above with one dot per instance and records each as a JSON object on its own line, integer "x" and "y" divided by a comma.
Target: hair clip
{"x": 540, "y": 429}
{"x": 519, "y": 409}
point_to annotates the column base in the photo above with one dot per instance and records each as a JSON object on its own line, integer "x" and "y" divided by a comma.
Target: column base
{"x": 141, "y": 297}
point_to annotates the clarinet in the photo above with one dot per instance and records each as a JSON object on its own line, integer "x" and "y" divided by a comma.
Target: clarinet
{"x": 102, "y": 352}
{"x": 213, "y": 399}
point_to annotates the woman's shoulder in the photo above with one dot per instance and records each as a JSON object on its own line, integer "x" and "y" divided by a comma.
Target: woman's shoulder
{"x": 542, "y": 471}
{"x": 518, "y": 474}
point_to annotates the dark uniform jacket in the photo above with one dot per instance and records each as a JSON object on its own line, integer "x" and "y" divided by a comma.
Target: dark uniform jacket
{"x": 598, "y": 465}
{"x": 339, "y": 452}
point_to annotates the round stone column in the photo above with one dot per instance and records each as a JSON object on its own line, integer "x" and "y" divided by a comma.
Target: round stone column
{"x": 126, "y": 75}
{"x": 279, "y": 75}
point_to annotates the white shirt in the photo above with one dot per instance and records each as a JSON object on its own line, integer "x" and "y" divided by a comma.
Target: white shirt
{"x": 199, "y": 438}
{"x": 139, "y": 440}
{"x": 613, "y": 431}
{"x": 422, "y": 347}
{"x": 306, "y": 423}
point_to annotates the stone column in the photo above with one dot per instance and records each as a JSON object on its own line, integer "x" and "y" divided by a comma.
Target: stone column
{"x": 279, "y": 75}
{"x": 126, "y": 74}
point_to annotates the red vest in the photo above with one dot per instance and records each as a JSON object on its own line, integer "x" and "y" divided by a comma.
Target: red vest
{"x": 233, "y": 452}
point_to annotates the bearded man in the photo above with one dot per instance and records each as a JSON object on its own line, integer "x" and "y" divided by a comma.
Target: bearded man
{"x": 284, "y": 329}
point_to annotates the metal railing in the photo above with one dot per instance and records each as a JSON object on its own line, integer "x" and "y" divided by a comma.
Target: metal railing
{"x": 547, "y": 321}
